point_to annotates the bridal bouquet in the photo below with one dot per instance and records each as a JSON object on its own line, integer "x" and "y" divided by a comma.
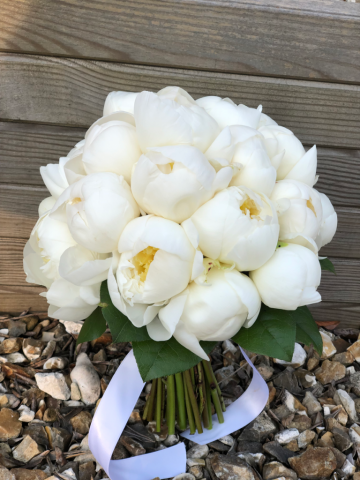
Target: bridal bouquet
{"x": 178, "y": 223}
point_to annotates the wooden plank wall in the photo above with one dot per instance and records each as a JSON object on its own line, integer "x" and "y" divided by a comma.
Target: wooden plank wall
{"x": 59, "y": 60}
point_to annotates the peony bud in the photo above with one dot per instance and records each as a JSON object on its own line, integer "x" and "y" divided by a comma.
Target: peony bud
{"x": 227, "y": 113}
{"x": 328, "y": 223}
{"x": 237, "y": 227}
{"x": 217, "y": 309}
{"x": 161, "y": 121}
{"x": 120, "y": 102}
{"x": 173, "y": 182}
{"x": 97, "y": 208}
{"x": 289, "y": 279}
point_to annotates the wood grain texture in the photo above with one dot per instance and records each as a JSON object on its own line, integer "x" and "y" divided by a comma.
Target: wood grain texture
{"x": 25, "y": 147}
{"x": 347, "y": 314}
{"x": 72, "y": 92}
{"x": 305, "y": 39}
{"x": 15, "y": 300}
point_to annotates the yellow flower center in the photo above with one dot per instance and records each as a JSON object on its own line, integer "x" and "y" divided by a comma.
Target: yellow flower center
{"x": 310, "y": 205}
{"x": 142, "y": 261}
{"x": 75, "y": 200}
{"x": 250, "y": 206}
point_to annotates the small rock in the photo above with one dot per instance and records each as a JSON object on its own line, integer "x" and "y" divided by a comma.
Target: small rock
{"x": 287, "y": 436}
{"x": 198, "y": 451}
{"x": 249, "y": 447}
{"x": 26, "y": 474}
{"x": 10, "y": 426}
{"x": 346, "y": 358}
{"x": 288, "y": 381}
{"x": 87, "y": 471}
{"x": 292, "y": 403}
{"x": 276, "y": 450}
{"x": 119, "y": 452}
{"x": 298, "y": 358}
{"x": 55, "y": 363}
{"x": 54, "y": 384}
{"x": 32, "y": 348}
{"x": 75, "y": 392}
{"x": 312, "y": 405}
{"x": 26, "y": 450}
{"x": 354, "y": 433}
{"x": 171, "y": 440}
{"x": 329, "y": 348}
{"x": 218, "y": 446}
{"x": 5, "y": 474}
{"x": 330, "y": 371}
{"x": 37, "y": 432}
{"x": 47, "y": 336}
{"x": 195, "y": 461}
{"x": 58, "y": 437}
{"x": 265, "y": 371}
{"x": 16, "y": 328}
{"x": 348, "y": 404}
{"x": 8, "y": 400}
{"x": 293, "y": 446}
{"x": 227, "y": 440}
{"x": 132, "y": 446}
{"x": 10, "y": 345}
{"x": 274, "y": 470}
{"x": 86, "y": 378}
{"x": 16, "y": 357}
{"x": 224, "y": 375}
{"x": 26, "y": 414}
{"x": 301, "y": 422}
{"x": 228, "y": 346}
{"x": 259, "y": 429}
{"x": 315, "y": 463}
{"x": 305, "y": 438}
{"x": 184, "y": 476}
{"x": 50, "y": 415}
{"x": 49, "y": 349}
{"x": 354, "y": 349}
{"x": 348, "y": 468}
{"x": 196, "y": 471}
{"x": 81, "y": 422}
{"x": 232, "y": 468}
{"x": 342, "y": 440}
{"x": 72, "y": 327}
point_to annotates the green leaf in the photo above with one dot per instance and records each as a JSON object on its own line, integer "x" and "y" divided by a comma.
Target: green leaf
{"x": 272, "y": 334}
{"x": 158, "y": 359}
{"x": 326, "y": 264}
{"x": 93, "y": 327}
{"x": 121, "y": 328}
{"x": 307, "y": 331}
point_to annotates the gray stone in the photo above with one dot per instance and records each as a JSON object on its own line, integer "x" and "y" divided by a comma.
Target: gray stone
{"x": 16, "y": 357}
{"x": 274, "y": 470}
{"x": 259, "y": 429}
{"x": 286, "y": 436}
{"x": 349, "y": 404}
{"x": 58, "y": 437}
{"x": 54, "y": 384}
{"x": 55, "y": 363}
{"x": 341, "y": 439}
{"x": 132, "y": 446}
{"x": 87, "y": 379}
{"x": 298, "y": 358}
{"x": 276, "y": 450}
{"x": 305, "y": 438}
{"x": 198, "y": 451}
{"x": 26, "y": 415}
{"x": 32, "y": 348}
{"x": 232, "y": 468}
{"x": 224, "y": 375}
{"x": 312, "y": 405}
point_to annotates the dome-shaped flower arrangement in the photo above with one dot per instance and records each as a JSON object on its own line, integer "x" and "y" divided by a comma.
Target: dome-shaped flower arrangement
{"x": 178, "y": 223}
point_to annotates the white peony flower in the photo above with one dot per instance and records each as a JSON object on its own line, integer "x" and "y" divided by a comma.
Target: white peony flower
{"x": 227, "y": 113}
{"x": 97, "y": 208}
{"x": 172, "y": 182}
{"x": 48, "y": 240}
{"x": 328, "y": 223}
{"x": 217, "y": 309}
{"x": 299, "y": 212}
{"x": 120, "y": 101}
{"x": 112, "y": 146}
{"x": 161, "y": 121}
{"x": 70, "y": 302}
{"x": 237, "y": 227}
{"x": 289, "y": 279}
{"x": 288, "y": 155}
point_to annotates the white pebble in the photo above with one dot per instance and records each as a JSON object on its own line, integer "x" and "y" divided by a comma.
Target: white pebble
{"x": 287, "y": 436}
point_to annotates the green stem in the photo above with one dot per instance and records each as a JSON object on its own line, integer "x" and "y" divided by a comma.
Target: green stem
{"x": 188, "y": 408}
{"x": 194, "y": 405}
{"x": 218, "y": 389}
{"x": 192, "y": 373}
{"x": 213, "y": 389}
{"x": 158, "y": 405}
{"x": 208, "y": 404}
{"x": 180, "y": 401}
{"x": 170, "y": 406}
{"x": 201, "y": 387}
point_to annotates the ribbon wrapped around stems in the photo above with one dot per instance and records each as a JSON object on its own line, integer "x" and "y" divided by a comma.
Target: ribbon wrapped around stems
{"x": 117, "y": 404}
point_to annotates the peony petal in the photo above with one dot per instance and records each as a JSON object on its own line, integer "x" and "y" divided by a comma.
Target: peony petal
{"x": 189, "y": 341}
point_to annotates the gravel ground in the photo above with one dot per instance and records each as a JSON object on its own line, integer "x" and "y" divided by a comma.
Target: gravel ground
{"x": 49, "y": 391}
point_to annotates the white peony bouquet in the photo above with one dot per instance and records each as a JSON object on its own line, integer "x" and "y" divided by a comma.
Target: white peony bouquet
{"x": 179, "y": 223}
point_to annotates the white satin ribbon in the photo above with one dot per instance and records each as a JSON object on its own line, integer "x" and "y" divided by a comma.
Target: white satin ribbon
{"x": 117, "y": 404}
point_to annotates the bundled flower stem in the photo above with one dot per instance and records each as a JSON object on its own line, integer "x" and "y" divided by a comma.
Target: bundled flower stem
{"x": 190, "y": 398}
